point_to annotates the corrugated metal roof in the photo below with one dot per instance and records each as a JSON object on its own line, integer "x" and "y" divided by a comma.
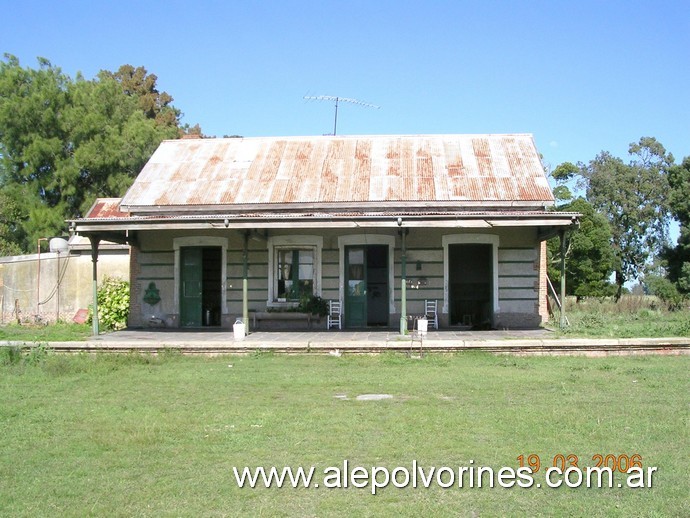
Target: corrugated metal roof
{"x": 184, "y": 174}
{"x": 106, "y": 208}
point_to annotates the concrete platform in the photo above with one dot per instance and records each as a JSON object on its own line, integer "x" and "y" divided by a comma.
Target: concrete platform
{"x": 519, "y": 342}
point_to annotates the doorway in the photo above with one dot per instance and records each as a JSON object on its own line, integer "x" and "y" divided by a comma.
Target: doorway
{"x": 200, "y": 286}
{"x": 366, "y": 286}
{"x": 470, "y": 290}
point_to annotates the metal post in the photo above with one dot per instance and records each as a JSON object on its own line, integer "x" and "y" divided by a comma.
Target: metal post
{"x": 563, "y": 250}
{"x": 94, "y": 281}
{"x": 335, "y": 122}
{"x": 245, "y": 282}
{"x": 403, "y": 278}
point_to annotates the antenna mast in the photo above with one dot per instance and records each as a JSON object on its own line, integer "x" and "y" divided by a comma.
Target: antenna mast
{"x": 337, "y": 100}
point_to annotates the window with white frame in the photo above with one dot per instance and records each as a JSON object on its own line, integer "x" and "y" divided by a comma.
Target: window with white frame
{"x": 293, "y": 268}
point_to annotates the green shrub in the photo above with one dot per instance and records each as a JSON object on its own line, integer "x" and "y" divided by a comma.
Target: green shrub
{"x": 592, "y": 321}
{"x": 665, "y": 290}
{"x": 37, "y": 354}
{"x": 113, "y": 304}
{"x": 683, "y": 329}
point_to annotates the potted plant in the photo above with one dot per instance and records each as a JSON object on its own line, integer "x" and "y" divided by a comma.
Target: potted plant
{"x": 314, "y": 305}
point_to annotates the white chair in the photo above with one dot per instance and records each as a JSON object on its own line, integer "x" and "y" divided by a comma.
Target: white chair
{"x": 431, "y": 312}
{"x": 334, "y": 314}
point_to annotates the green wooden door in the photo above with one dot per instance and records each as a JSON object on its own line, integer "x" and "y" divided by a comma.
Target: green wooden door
{"x": 191, "y": 273}
{"x": 355, "y": 286}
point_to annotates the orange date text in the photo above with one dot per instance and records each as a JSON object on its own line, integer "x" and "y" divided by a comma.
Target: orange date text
{"x": 621, "y": 463}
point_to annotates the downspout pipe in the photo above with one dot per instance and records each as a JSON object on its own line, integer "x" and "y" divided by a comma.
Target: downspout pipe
{"x": 563, "y": 319}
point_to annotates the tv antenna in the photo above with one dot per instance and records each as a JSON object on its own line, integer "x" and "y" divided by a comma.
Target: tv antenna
{"x": 338, "y": 100}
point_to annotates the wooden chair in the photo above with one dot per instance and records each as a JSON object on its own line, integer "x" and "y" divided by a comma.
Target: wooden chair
{"x": 335, "y": 314}
{"x": 431, "y": 312}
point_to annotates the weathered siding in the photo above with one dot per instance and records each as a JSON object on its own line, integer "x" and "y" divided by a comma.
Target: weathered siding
{"x": 518, "y": 274}
{"x": 518, "y": 280}
{"x": 257, "y": 285}
{"x": 330, "y": 277}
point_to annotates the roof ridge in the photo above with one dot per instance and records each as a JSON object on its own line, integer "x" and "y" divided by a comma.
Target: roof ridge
{"x": 335, "y": 137}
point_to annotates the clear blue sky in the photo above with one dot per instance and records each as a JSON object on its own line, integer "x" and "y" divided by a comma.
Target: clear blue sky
{"x": 582, "y": 76}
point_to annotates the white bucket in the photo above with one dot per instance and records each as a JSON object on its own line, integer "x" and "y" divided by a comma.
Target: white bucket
{"x": 422, "y": 325}
{"x": 239, "y": 329}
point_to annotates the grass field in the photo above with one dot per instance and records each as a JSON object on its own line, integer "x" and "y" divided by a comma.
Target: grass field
{"x": 130, "y": 435}
{"x": 634, "y": 316}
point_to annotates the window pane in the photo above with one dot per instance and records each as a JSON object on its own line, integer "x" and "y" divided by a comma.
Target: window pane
{"x": 355, "y": 256}
{"x": 284, "y": 264}
{"x": 294, "y": 273}
{"x": 284, "y": 271}
{"x": 305, "y": 278}
{"x": 355, "y": 261}
{"x": 306, "y": 264}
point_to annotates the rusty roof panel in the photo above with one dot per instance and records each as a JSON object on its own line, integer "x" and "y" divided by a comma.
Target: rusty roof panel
{"x": 395, "y": 184}
{"x": 426, "y": 188}
{"x": 334, "y": 169}
{"x": 482, "y": 153}
{"x": 344, "y": 187}
{"x": 106, "y": 208}
{"x": 280, "y": 187}
{"x": 328, "y": 187}
{"x": 378, "y": 188}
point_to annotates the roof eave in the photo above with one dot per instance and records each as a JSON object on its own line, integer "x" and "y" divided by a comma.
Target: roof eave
{"x": 455, "y": 205}
{"x": 228, "y": 221}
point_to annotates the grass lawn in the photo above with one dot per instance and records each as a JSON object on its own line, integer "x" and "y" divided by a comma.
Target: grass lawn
{"x": 61, "y": 332}
{"x": 126, "y": 435}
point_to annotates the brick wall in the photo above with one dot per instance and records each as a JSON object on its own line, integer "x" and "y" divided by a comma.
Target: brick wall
{"x": 542, "y": 306}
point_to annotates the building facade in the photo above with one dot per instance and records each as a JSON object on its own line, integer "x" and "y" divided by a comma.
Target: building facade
{"x": 223, "y": 228}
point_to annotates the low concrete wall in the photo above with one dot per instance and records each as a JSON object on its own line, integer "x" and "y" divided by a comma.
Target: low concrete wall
{"x": 517, "y": 321}
{"x": 63, "y": 287}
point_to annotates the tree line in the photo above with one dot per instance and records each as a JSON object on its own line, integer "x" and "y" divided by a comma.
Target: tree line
{"x": 65, "y": 141}
{"x": 627, "y": 209}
